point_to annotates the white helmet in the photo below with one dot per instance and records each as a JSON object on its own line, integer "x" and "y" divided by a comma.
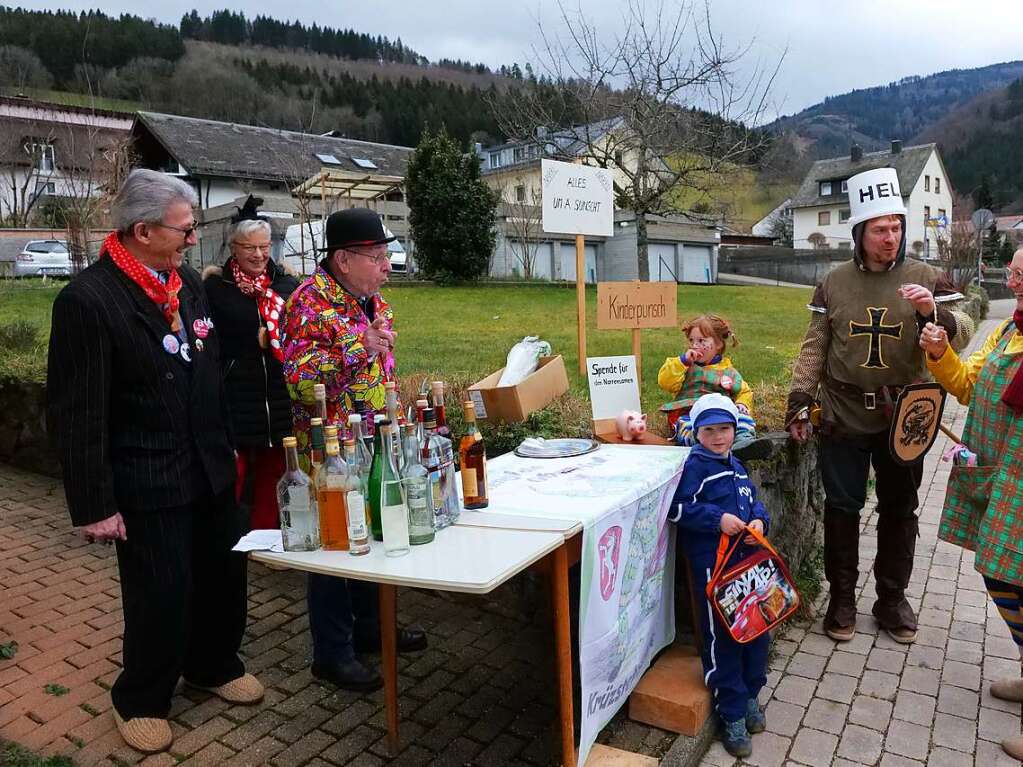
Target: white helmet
{"x": 874, "y": 193}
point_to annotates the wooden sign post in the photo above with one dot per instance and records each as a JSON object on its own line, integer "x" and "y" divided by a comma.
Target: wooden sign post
{"x": 577, "y": 199}
{"x": 636, "y": 305}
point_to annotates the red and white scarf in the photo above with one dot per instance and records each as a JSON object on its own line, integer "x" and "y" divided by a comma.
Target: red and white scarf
{"x": 164, "y": 296}
{"x": 271, "y": 305}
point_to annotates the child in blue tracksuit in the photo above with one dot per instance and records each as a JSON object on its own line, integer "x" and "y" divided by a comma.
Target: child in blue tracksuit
{"x": 715, "y": 495}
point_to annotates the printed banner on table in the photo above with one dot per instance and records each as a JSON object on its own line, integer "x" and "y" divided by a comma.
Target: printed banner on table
{"x": 627, "y": 606}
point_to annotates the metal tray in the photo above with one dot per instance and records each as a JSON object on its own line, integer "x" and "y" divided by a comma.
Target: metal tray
{"x": 559, "y": 448}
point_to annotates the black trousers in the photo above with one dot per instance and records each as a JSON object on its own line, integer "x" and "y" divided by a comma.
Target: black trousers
{"x": 185, "y": 602}
{"x": 845, "y": 464}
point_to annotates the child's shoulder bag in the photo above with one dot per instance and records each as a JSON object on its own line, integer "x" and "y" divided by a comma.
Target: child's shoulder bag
{"x": 756, "y": 594}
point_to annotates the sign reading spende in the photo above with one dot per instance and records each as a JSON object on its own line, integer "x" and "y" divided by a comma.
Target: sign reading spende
{"x": 577, "y": 199}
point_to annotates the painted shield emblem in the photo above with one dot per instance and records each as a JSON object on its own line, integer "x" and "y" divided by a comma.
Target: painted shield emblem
{"x": 915, "y": 425}
{"x": 201, "y": 328}
{"x": 607, "y": 552}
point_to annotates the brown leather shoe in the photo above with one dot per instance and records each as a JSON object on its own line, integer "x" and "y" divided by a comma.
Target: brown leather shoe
{"x": 1008, "y": 689}
{"x": 902, "y": 635}
{"x": 145, "y": 734}
{"x": 246, "y": 690}
{"x": 840, "y": 633}
{"x": 1014, "y": 747}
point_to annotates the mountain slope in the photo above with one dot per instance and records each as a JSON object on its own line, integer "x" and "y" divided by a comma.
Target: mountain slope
{"x": 980, "y": 143}
{"x": 873, "y": 116}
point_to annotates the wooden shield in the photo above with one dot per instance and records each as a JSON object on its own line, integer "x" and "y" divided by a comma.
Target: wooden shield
{"x": 915, "y": 425}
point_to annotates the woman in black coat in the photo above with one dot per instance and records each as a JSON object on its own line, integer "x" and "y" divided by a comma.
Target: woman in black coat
{"x": 247, "y": 297}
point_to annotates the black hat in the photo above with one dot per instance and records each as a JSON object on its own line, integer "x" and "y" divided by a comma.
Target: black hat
{"x": 354, "y": 227}
{"x": 249, "y": 211}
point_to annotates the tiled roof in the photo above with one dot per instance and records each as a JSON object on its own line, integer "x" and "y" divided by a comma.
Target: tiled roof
{"x": 909, "y": 164}
{"x": 212, "y": 148}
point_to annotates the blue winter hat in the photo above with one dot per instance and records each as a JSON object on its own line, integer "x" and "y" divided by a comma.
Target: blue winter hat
{"x": 711, "y": 409}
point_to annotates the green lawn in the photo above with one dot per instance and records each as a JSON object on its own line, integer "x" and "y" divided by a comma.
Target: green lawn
{"x": 466, "y": 332}
{"x": 470, "y": 329}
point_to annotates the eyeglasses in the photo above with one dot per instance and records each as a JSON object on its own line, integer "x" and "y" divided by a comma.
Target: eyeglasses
{"x": 376, "y": 258}
{"x": 187, "y": 232}
{"x": 1013, "y": 274}
{"x": 250, "y": 249}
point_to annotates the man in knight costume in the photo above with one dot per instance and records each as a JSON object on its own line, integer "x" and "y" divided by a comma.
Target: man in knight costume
{"x": 860, "y": 349}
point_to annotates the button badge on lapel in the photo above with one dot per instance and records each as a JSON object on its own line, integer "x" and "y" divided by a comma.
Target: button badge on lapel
{"x": 171, "y": 344}
{"x": 199, "y": 345}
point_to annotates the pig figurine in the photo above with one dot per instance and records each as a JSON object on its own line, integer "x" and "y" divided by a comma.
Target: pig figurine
{"x": 631, "y": 425}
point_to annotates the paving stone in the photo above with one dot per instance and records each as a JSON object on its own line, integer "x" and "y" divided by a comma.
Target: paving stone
{"x": 922, "y": 680}
{"x": 846, "y": 663}
{"x": 961, "y": 674}
{"x": 769, "y": 750}
{"x": 783, "y": 718}
{"x": 987, "y": 700}
{"x": 928, "y": 657}
{"x": 886, "y": 660}
{"x": 1001, "y": 647}
{"x": 871, "y": 712}
{"x": 879, "y": 684}
{"x": 914, "y": 707}
{"x": 1000, "y": 668}
{"x": 997, "y": 725}
{"x": 971, "y": 632}
{"x": 929, "y": 636}
{"x": 817, "y": 644}
{"x": 907, "y": 739}
{"x": 826, "y": 715}
{"x": 795, "y": 690}
{"x": 860, "y": 644}
{"x": 965, "y": 652}
{"x": 954, "y": 732}
{"x": 806, "y": 665}
{"x": 814, "y": 748}
{"x": 860, "y": 744}
{"x": 991, "y": 755}
{"x": 837, "y": 687}
{"x": 958, "y": 701}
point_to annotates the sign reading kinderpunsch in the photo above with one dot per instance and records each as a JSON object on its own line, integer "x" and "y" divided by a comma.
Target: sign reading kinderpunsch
{"x": 623, "y": 305}
{"x": 577, "y": 199}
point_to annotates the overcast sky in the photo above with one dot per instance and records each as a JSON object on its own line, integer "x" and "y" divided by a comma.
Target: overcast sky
{"x": 831, "y": 48}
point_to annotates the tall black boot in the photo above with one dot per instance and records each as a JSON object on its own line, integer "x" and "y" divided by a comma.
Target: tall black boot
{"x": 893, "y": 566}
{"x": 841, "y": 568}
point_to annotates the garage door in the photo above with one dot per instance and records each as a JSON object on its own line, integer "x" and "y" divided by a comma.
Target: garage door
{"x": 696, "y": 263}
{"x": 568, "y": 262}
{"x": 661, "y": 258}
{"x": 543, "y": 266}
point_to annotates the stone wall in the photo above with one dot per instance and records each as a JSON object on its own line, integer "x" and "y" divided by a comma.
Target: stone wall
{"x": 804, "y": 267}
{"x": 23, "y": 438}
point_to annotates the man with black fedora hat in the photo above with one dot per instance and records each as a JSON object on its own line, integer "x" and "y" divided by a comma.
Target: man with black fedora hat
{"x": 339, "y": 332}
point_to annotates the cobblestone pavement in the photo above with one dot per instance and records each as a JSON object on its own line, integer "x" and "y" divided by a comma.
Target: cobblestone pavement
{"x": 872, "y": 701}
{"x": 482, "y": 694}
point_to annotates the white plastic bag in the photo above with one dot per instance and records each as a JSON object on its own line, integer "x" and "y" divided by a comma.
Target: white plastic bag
{"x": 522, "y": 359}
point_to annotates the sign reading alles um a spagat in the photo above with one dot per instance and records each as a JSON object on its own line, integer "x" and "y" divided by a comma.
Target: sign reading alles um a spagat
{"x": 577, "y": 199}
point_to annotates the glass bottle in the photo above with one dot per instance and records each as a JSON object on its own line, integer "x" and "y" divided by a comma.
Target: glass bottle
{"x": 393, "y": 509}
{"x": 330, "y": 496}
{"x": 416, "y": 479}
{"x": 320, "y": 398}
{"x": 355, "y": 502}
{"x": 376, "y": 472}
{"x": 472, "y": 460}
{"x": 439, "y": 459}
{"x": 317, "y": 447}
{"x": 393, "y": 415}
{"x": 361, "y": 448}
{"x": 421, "y": 405}
{"x": 438, "y": 409}
{"x": 300, "y": 525}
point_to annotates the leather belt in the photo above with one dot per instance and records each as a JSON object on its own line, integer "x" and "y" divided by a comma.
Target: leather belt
{"x": 886, "y": 395}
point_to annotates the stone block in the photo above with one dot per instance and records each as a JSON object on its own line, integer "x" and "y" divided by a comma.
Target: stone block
{"x": 671, "y": 695}
{"x": 605, "y": 756}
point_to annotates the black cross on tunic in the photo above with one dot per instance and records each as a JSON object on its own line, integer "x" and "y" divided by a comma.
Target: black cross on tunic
{"x": 876, "y": 329}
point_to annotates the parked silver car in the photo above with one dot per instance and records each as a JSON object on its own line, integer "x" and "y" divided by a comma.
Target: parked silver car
{"x": 49, "y": 258}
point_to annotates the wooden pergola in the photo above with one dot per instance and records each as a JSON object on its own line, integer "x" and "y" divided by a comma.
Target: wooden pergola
{"x": 353, "y": 186}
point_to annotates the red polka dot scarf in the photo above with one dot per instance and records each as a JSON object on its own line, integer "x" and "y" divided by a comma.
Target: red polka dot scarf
{"x": 271, "y": 305}
{"x": 164, "y": 296}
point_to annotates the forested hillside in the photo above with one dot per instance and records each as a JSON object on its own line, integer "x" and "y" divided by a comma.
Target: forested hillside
{"x": 260, "y": 71}
{"x": 902, "y": 109}
{"x": 982, "y": 148}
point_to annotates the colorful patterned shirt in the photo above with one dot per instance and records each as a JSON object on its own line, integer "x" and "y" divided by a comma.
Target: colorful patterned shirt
{"x": 323, "y": 331}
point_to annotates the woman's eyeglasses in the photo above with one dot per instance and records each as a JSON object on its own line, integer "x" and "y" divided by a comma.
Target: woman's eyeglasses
{"x": 251, "y": 249}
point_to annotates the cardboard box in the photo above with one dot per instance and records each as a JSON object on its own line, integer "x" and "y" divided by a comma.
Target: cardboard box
{"x": 510, "y": 404}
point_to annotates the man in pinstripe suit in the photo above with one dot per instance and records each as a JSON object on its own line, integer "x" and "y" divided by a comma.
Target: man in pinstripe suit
{"x": 136, "y": 408}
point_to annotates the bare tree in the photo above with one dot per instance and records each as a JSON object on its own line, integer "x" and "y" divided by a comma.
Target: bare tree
{"x": 817, "y": 240}
{"x": 660, "y": 103}
{"x": 29, "y": 166}
{"x": 524, "y": 220}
